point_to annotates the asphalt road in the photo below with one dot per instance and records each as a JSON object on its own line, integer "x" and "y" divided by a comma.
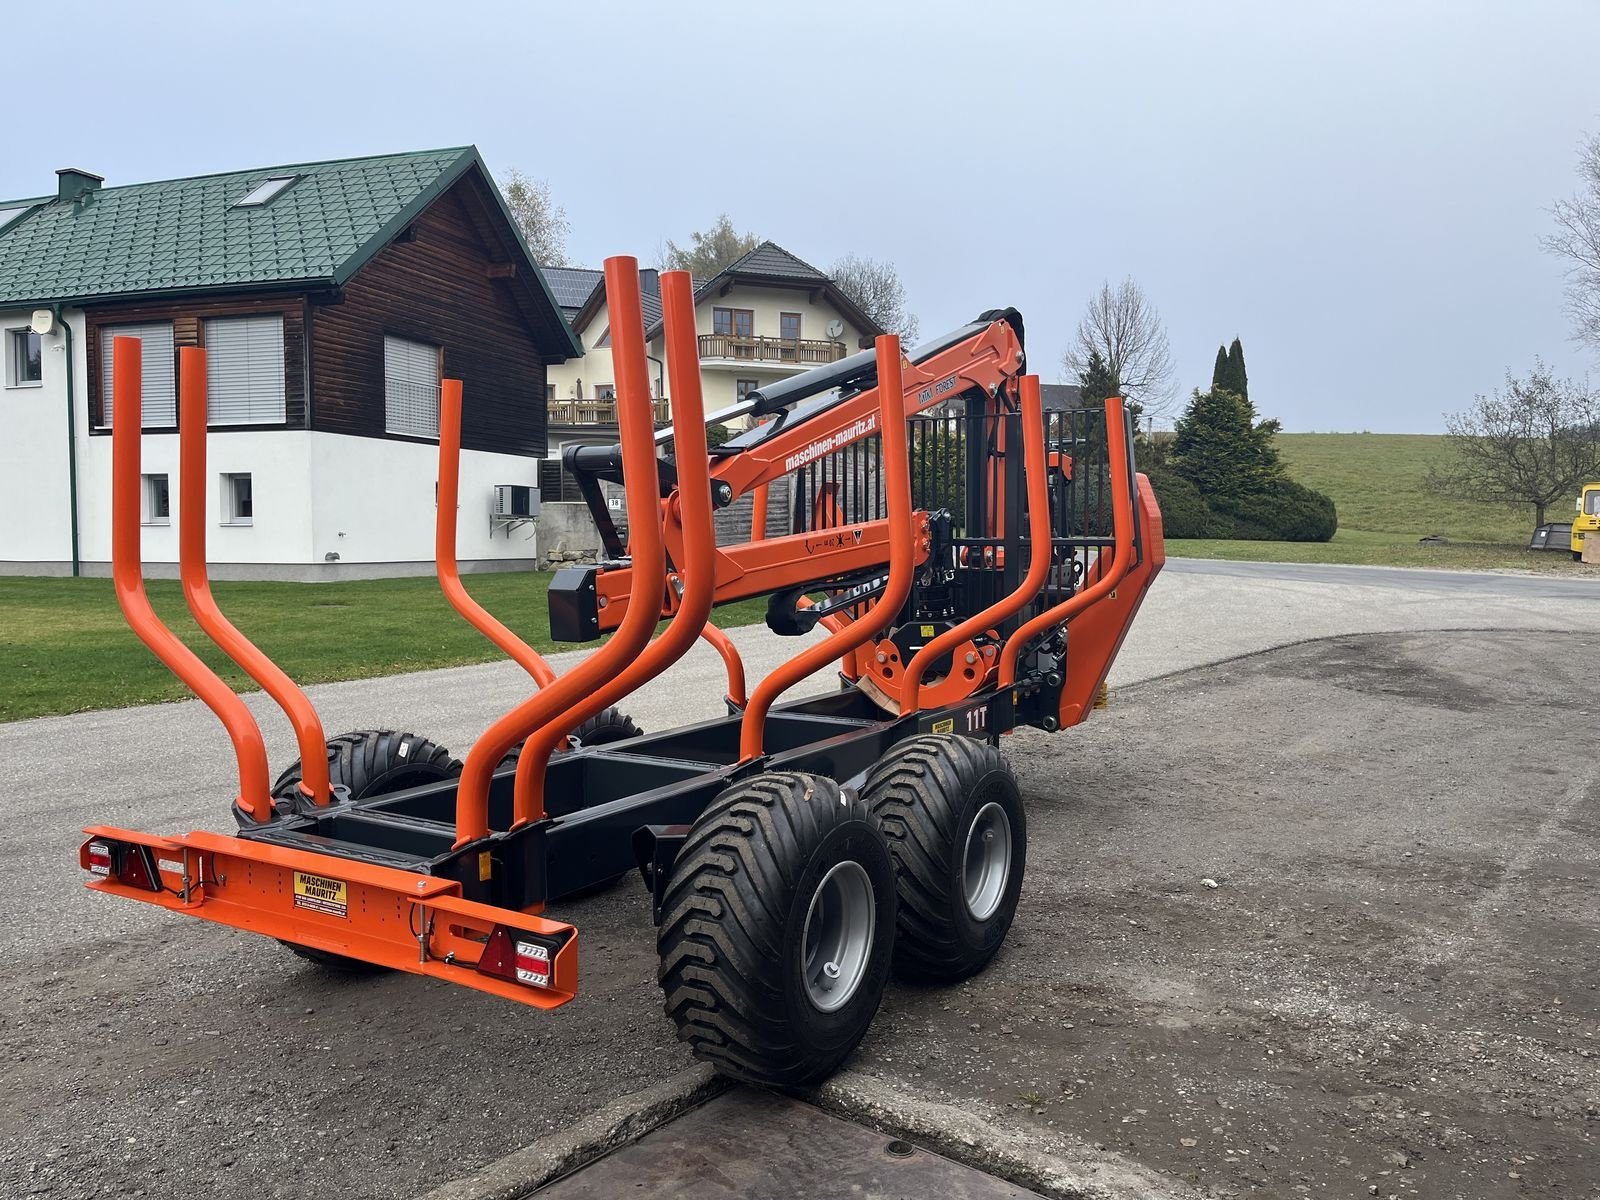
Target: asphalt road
{"x": 151, "y": 1053}
{"x": 1475, "y": 583}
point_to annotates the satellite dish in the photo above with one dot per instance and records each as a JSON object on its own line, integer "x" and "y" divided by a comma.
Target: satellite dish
{"x": 835, "y": 327}
{"x": 43, "y": 321}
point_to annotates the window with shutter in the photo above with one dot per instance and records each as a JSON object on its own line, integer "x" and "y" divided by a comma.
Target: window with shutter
{"x": 244, "y": 371}
{"x": 411, "y": 388}
{"x": 158, "y": 400}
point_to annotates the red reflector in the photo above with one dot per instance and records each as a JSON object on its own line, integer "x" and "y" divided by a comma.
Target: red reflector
{"x": 508, "y": 957}
{"x": 99, "y": 858}
{"x": 138, "y": 869}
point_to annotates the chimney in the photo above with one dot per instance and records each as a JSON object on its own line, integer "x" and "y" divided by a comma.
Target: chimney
{"x": 73, "y": 184}
{"x": 650, "y": 281}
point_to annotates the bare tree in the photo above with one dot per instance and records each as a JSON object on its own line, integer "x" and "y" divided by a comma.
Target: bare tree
{"x": 1577, "y": 239}
{"x": 1534, "y": 444}
{"x": 709, "y": 251}
{"x": 1125, "y": 328}
{"x": 543, "y": 222}
{"x": 876, "y": 288}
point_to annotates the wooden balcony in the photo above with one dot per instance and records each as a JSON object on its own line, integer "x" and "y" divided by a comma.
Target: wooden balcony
{"x": 801, "y": 351}
{"x": 597, "y": 412}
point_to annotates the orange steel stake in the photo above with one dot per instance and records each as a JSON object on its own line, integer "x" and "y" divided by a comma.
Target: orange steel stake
{"x": 1038, "y": 565}
{"x": 635, "y": 414}
{"x": 192, "y": 492}
{"x": 697, "y": 571}
{"x": 444, "y": 544}
{"x": 758, "y": 513}
{"x": 724, "y": 646}
{"x": 1122, "y": 520}
{"x": 127, "y": 571}
{"x": 902, "y": 549}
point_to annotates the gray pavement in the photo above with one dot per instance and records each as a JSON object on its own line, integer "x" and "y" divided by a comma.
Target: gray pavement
{"x": 185, "y": 1046}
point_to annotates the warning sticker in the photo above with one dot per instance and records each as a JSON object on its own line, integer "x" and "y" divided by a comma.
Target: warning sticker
{"x": 948, "y": 725}
{"x": 927, "y": 631}
{"x": 321, "y": 895}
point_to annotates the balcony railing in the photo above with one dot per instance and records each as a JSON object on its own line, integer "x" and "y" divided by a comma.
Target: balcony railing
{"x": 807, "y": 351}
{"x": 597, "y": 412}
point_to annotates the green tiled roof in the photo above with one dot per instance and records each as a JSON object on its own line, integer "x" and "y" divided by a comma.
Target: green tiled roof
{"x": 184, "y": 234}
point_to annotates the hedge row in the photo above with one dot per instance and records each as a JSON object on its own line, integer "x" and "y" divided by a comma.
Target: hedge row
{"x": 1285, "y": 512}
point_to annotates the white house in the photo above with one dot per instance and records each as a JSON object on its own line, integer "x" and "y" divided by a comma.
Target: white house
{"x": 331, "y": 299}
{"x": 767, "y": 316}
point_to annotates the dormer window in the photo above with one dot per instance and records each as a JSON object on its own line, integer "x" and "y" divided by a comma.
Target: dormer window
{"x": 264, "y": 191}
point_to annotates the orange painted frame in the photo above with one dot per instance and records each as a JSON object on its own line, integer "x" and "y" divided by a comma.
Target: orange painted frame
{"x": 910, "y": 690}
{"x": 193, "y": 413}
{"x": 690, "y": 508}
{"x": 635, "y": 413}
{"x": 127, "y": 570}
{"x": 903, "y": 543}
{"x": 444, "y": 544}
{"x": 1122, "y": 524}
{"x": 393, "y": 918}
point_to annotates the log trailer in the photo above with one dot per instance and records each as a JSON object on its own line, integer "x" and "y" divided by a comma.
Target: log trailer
{"x": 974, "y": 564}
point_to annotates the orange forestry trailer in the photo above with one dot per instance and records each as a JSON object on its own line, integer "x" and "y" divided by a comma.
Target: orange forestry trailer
{"x": 973, "y": 562}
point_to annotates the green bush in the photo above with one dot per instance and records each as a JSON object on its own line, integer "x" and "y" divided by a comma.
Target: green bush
{"x": 1183, "y": 511}
{"x": 1284, "y": 512}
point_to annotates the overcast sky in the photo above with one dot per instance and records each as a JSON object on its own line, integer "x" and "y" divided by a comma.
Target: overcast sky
{"x": 1355, "y": 190}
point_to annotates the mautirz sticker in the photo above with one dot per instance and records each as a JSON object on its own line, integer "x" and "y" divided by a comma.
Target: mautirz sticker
{"x": 321, "y": 895}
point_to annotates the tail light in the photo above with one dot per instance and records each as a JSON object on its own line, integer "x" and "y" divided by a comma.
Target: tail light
{"x": 129, "y": 864}
{"x": 518, "y": 957}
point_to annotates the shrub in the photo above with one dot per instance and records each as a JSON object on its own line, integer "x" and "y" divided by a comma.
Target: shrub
{"x": 1183, "y": 511}
{"x": 1285, "y": 512}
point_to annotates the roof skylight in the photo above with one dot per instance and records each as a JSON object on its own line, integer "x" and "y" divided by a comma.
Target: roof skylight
{"x": 262, "y": 192}
{"x": 8, "y": 215}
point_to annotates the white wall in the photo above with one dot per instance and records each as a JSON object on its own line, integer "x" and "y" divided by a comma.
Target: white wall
{"x": 34, "y": 501}
{"x": 369, "y": 500}
{"x": 372, "y": 502}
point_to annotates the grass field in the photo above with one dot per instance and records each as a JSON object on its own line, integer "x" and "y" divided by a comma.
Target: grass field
{"x": 1376, "y": 480}
{"x": 65, "y": 648}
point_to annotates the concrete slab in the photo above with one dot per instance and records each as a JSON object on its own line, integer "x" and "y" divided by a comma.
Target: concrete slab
{"x": 758, "y": 1146}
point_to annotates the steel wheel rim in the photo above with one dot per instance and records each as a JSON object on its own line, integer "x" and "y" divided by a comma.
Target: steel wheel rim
{"x": 986, "y": 862}
{"x": 837, "y": 939}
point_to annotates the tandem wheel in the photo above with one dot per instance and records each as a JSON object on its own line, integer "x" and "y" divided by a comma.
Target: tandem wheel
{"x": 777, "y": 929}
{"x": 951, "y": 811}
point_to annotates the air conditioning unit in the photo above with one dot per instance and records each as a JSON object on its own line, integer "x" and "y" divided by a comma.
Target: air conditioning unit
{"x": 516, "y": 500}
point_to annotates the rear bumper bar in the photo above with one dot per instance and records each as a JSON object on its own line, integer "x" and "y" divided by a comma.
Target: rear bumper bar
{"x": 392, "y": 918}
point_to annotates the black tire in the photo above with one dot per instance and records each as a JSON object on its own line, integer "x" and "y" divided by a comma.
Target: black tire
{"x": 926, "y": 794}
{"x": 606, "y": 726}
{"x": 374, "y": 762}
{"x": 1577, "y": 556}
{"x": 371, "y": 762}
{"x": 736, "y": 916}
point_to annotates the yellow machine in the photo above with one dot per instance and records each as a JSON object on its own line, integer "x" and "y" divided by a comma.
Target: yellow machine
{"x": 1588, "y": 519}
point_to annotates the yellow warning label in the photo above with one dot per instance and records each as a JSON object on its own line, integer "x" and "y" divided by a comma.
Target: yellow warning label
{"x": 485, "y": 866}
{"x": 948, "y": 725}
{"x": 927, "y": 631}
{"x": 321, "y": 895}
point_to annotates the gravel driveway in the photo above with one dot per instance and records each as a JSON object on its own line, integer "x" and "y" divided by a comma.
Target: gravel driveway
{"x": 150, "y": 1054}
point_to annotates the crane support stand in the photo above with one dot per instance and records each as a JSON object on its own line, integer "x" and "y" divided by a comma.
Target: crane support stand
{"x": 973, "y": 562}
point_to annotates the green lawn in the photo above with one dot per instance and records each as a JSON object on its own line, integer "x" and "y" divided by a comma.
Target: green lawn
{"x": 1376, "y": 480}
{"x": 65, "y": 648}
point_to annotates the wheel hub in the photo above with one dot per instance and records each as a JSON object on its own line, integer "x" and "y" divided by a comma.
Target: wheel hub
{"x": 837, "y": 941}
{"x": 986, "y": 864}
